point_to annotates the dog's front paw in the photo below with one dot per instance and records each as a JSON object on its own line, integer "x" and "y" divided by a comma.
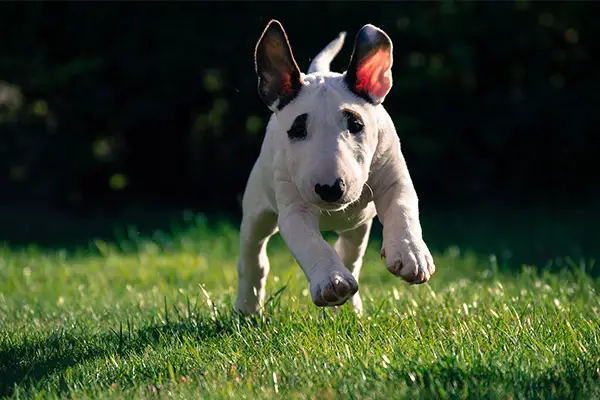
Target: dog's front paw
{"x": 334, "y": 289}
{"x": 410, "y": 260}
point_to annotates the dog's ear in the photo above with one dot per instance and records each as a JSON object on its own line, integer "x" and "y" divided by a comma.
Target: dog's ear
{"x": 369, "y": 73}
{"x": 279, "y": 78}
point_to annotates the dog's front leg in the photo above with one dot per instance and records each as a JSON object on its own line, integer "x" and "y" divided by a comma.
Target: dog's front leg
{"x": 405, "y": 252}
{"x": 351, "y": 246}
{"x": 331, "y": 284}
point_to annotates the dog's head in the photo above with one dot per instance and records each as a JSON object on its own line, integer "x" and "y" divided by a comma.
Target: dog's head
{"x": 326, "y": 122}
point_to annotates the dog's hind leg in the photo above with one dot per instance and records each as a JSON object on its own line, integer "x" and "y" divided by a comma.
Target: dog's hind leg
{"x": 351, "y": 247}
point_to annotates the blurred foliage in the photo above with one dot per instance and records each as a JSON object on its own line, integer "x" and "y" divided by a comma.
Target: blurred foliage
{"x": 105, "y": 102}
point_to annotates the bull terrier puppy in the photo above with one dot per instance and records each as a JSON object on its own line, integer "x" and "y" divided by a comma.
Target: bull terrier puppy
{"x": 330, "y": 161}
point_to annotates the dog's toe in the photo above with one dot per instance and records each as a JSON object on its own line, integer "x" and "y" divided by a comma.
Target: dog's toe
{"x": 430, "y": 266}
{"x": 410, "y": 261}
{"x": 414, "y": 272}
{"x": 334, "y": 290}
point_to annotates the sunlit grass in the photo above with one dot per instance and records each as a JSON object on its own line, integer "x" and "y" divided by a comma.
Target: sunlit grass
{"x": 145, "y": 317}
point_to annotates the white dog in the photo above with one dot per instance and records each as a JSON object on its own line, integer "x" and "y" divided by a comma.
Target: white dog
{"x": 330, "y": 160}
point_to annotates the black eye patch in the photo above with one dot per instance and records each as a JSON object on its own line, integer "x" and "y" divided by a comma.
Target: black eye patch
{"x": 298, "y": 128}
{"x": 353, "y": 122}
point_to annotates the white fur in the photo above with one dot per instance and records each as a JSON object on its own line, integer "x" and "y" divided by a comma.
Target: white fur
{"x": 323, "y": 59}
{"x": 280, "y": 195}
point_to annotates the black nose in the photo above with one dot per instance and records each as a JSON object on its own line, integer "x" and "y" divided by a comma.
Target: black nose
{"x": 331, "y": 193}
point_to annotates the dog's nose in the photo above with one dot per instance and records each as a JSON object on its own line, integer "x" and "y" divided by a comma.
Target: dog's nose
{"x": 331, "y": 193}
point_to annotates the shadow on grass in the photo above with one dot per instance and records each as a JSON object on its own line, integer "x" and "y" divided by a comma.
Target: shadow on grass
{"x": 446, "y": 377}
{"x": 35, "y": 361}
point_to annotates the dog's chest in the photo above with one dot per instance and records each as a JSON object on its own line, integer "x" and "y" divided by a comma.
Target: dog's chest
{"x": 349, "y": 218}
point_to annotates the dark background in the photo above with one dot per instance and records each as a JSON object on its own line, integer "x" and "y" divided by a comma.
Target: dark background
{"x": 107, "y": 106}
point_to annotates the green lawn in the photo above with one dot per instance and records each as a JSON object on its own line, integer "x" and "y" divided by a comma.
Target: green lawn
{"x": 148, "y": 317}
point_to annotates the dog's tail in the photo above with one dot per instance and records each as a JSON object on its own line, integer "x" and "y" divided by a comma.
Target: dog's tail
{"x": 323, "y": 59}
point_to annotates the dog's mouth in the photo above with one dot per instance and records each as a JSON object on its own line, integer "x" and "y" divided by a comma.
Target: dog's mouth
{"x": 332, "y": 206}
{"x": 337, "y": 206}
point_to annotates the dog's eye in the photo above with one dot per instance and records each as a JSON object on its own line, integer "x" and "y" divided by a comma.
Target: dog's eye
{"x": 298, "y": 129}
{"x": 353, "y": 123}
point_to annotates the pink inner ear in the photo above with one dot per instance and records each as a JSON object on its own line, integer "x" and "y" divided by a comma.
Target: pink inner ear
{"x": 286, "y": 84}
{"x": 276, "y": 52}
{"x": 373, "y": 75}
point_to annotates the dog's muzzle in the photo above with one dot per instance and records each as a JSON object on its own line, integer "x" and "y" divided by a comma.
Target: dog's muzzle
{"x": 331, "y": 193}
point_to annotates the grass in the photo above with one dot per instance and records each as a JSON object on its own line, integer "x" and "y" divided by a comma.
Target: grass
{"x": 142, "y": 317}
